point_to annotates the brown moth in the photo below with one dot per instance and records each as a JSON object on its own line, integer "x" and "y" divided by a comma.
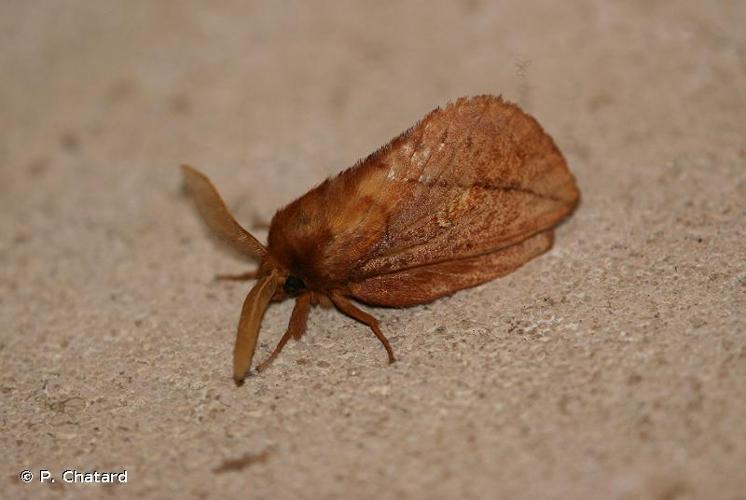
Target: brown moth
{"x": 470, "y": 193}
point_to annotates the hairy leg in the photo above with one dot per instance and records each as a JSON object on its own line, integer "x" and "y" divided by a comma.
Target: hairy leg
{"x": 350, "y": 310}
{"x": 296, "y": 327}
{"x": 319, "y": 299}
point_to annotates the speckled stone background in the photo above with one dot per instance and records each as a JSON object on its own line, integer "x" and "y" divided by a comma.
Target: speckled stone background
{"x": 612, "y": 367}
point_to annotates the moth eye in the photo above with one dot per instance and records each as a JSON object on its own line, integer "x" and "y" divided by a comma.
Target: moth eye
{"x": 293, "y": 285}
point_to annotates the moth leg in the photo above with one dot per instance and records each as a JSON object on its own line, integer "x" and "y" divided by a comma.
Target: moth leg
{"x": 325, "y": 302}
{"x": 248, "y": 275}
{"x": 296, "y": 328}
{"x": 350, "y": 310}
{"x": 319, "y": 299}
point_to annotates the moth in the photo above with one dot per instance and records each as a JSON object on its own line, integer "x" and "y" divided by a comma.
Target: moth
{"x": 468, "y": 194}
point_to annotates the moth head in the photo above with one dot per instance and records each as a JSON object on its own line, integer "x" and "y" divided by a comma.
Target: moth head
{"x": 289, "y": 284}
{"x": 293, "y": 286}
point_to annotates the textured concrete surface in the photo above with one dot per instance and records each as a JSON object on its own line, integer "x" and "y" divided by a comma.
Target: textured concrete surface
{"x": 612, "y": 367}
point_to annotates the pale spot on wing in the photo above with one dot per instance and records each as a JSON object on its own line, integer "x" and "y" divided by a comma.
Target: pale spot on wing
{"x": 459, "y": 206}
{"x": 420, "y": 157}
{"x": 442, "y": 222}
